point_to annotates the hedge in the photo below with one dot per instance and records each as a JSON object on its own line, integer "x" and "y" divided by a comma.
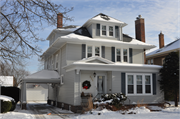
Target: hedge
{"x": 5, "y": 106}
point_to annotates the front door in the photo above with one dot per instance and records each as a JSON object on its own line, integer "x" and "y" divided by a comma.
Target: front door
{"x": 100, "y": 84}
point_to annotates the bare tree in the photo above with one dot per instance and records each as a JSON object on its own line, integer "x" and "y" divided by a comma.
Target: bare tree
{"x": 8, "y": 70}
{"x": 20, "y": 21}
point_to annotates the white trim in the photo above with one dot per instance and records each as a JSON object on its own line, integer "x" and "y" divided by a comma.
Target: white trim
{"x": 122, "y": 55}
{"x": 135, "y": 86}
{"x": 93, "y": 50}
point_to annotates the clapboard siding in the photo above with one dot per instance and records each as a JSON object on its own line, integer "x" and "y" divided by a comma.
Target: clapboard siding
{"x": 109, "y": 82}
{"x": 138, "y": 56}
{"x": 73, "y": 53}
{"x": 116, "y": 82}
{"x": 108, "y": 53}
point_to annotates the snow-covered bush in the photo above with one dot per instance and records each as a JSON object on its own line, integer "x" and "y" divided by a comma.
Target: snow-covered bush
{"x": 7, "y": 103}
{"x": 115, "y": 99}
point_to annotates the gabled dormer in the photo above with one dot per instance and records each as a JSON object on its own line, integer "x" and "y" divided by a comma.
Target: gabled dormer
{"x": 106, "y": 27}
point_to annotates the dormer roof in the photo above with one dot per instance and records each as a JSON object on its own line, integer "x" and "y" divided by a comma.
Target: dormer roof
{"x": 104, "y": 18}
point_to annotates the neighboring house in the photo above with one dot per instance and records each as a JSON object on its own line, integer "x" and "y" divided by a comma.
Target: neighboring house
{"x": 7, "y": 81}
{"x": 100, "y": 53}
{"x": 157, "y": 57}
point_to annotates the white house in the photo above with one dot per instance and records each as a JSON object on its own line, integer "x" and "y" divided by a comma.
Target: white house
{"x": 100, "y": 54}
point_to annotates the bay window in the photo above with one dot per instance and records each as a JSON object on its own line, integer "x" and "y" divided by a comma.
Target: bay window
{"x": 138, "y": 84}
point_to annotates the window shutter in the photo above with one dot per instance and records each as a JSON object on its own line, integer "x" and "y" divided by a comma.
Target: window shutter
{"x": 117, "y": 31}
{"x": 113, "y": 54}
{"x": 97, "y": 29}
{"x": 83, "y": 51}
{"x": 103, "y": 51}
{"x": 154, "y": 84}
{"x": 130, "y": 56}
{"x": 123, "y": 83}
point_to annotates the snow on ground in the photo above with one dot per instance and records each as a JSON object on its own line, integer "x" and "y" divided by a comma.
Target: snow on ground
{"x": 17, "y": 114}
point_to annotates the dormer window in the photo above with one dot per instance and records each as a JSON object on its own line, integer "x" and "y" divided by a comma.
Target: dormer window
{"x": 103, "y": 30}
{"x": 110, "y": 30}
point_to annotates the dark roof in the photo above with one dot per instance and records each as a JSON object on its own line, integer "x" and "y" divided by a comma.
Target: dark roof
{"x": 127, "y": 38}
{"x": 82, "y": 31}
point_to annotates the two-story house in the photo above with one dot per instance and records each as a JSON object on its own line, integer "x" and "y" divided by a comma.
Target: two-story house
{"x": 98, "y": 58}
{"x": 157, "y": 57}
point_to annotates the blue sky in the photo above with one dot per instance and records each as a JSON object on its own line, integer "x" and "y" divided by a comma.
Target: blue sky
{"x": 159, "y": 15}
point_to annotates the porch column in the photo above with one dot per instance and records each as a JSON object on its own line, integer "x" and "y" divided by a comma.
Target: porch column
{"x": 23, "y": 95}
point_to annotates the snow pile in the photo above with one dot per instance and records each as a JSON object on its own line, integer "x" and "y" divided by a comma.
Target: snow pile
{"x": 103, "y": 102}
{"x": 172, "y": 110}
{"x": 155, "y": 108}
{"x": 136, "y": 110}
{"x": 6, "y": 98}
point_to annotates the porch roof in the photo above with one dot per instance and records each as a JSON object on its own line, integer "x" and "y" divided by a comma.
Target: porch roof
{"x": 85, "y": 64}
{"x": 43, "y": 76}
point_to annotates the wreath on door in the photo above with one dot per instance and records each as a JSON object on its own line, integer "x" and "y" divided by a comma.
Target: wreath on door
{"x": 86, "y": 84}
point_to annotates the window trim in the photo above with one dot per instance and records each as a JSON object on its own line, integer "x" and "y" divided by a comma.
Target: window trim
{"x": 135, "y": 84}
{"x": 122, "y": 55}
{"x": 93, "y": 50}
{"x": 107, "y": 30}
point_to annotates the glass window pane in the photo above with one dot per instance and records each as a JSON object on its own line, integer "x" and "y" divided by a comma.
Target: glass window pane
{"x": 130, "y": 80}
{"x": 147, "y": 80}
{"x": 89, "y": 49}
{"x": 103, "y": 32}
{"x": 130, "y": 89}
{"x": 125, "y": 52}
{"x": 148, "y": 89}
{"x": 104, "y": 28}
{"x": 89, "y": 54}
{"x": 139, "y": 79}
{"x": 118, "y": 58}
{"x": 125, "y": 58}
{"x": 97, "y": 50}
{"x": 139, "y": 88}
{"x": 110, "y": 33}
{"x": 118, "y": 52}
{"x": 111, "y": 28}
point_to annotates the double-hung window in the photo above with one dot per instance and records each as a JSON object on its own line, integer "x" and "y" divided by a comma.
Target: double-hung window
{"x": 130, "y": 84}
{"x": 97, "y": 51}
{"x": 118, "y": 55}
{"x": 110, "y": 30}
{"x": 89, "y": 51}
{"x": 138, "y": 84}
{"x": 104, "y": 30}
{"x": 125, "y": 55}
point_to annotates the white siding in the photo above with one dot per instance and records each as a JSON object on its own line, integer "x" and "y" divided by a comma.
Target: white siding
{"x": 116, "y": 82}
{"x": 73, "y": 52}
{"x": 138, "y": 56}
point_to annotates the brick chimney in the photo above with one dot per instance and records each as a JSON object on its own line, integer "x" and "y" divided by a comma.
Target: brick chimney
{"x": 161, "y": 40}
{"x": 140, "y": 29}
{"x": 140, "y": 32}
{"x": 59, "y": 20}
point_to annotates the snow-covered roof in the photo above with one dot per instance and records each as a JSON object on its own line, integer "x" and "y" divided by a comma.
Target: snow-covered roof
{"x": 84, "y": 38}
{"x": 84, "y": 64}
{"x": 166, "y": 49}
{"x": 43, "y": 76}
{"x": 105, "y": 18}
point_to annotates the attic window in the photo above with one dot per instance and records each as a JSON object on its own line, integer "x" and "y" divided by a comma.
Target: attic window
{"x": 105, "y": 17}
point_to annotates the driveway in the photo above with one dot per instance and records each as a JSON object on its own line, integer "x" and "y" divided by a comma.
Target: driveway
{"x": 45, "y": 111}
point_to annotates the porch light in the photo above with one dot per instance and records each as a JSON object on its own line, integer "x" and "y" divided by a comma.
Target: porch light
{"x": 94, "y": 74}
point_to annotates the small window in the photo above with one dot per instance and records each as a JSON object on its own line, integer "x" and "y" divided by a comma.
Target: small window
{"x": 130, "y": 84}
{"x": 89, "y": 51}
{"x": 118, "y": 55}
{"x": 103, "y": 30}
{"x": 147, "y": 84}
{"x": 139, "y": 84}
{"x": 56, "y": 61}
{"x": 125, "y": 55}
{"x": 97, "y": 53}
{"x": 117, "y": 31}
{"x": 152, "y": 62}
{"x": 110, "y": 31}
{"x": 97, "y": 29}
